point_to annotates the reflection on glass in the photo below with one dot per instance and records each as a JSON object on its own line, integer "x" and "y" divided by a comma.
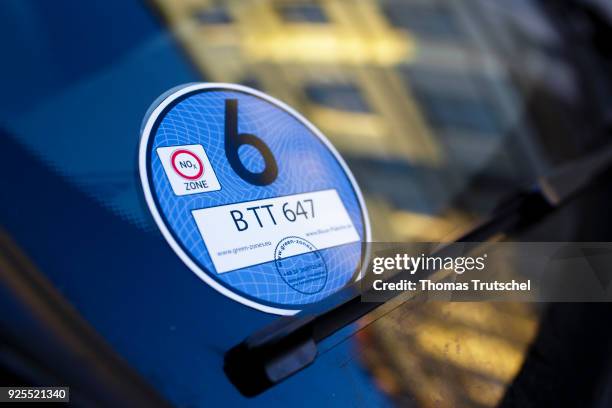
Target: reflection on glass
{"x": 422, "y": 99}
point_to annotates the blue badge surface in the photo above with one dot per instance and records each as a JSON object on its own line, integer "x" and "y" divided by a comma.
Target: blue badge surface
{"x": 251, "y": 196}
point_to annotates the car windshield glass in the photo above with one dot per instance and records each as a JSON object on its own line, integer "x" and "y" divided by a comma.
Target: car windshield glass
{"x": 425, "y": 101}
{"x": 440, "y": 108}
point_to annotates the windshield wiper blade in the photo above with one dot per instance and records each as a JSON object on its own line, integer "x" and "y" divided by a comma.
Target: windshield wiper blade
{"x": 285, "y": 347}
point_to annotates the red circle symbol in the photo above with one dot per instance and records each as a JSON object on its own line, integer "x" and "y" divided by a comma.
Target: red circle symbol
{"x": 196, "y": 158}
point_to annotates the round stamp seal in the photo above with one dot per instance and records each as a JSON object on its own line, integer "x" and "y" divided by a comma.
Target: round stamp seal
{"x": 306, "y": 273}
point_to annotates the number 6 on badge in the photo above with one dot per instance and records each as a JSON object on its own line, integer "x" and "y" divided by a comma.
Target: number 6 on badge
{"x": 233, "y": 141}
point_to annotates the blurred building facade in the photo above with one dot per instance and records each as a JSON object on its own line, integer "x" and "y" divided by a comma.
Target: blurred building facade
{"x": 408, "y": 91}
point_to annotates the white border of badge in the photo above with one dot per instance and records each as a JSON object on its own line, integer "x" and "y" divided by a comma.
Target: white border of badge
{"x": 149, "y": 121}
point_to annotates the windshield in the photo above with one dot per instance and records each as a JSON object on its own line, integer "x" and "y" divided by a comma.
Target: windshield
{"x": 422, "y": 96}
{"x": 441, "y": 109}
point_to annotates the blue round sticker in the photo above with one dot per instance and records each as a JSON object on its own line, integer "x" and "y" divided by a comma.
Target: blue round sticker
{"x": 251, "y": 196}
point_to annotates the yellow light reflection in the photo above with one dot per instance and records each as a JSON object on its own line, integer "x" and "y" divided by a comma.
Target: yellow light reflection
{"x": 450, "y": 354}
